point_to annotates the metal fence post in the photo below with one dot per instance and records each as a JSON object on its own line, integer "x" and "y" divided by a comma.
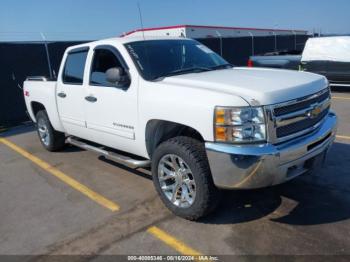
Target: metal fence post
{"x": 274, "y": 33}
{"x": 220, "y": 38}
{"x": 295, "y": 40}
{"x": 253, "y": 52}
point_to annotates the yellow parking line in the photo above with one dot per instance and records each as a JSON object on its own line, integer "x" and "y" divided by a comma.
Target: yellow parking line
{"x": 341, "y": 97}
{"x": 63, "y": 177}
{"x": 343, "y": 137}
{"x": 174, "y": 243}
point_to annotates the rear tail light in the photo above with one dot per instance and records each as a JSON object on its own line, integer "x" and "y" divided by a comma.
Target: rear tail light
{"x": 250, "y": 63}
{"x": 26, "y": 93}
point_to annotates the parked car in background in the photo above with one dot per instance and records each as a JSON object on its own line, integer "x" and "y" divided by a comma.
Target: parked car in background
{"x": 174, "y": 105}
{"x": 276, "y": 60}
{"x": 328, "y": 56}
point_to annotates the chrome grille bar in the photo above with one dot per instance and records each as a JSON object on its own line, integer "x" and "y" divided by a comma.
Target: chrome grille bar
{"x": 289, "y": 120}
{"x": 303, "y": 114}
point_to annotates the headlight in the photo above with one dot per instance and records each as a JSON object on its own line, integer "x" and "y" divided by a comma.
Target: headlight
{"x": 240, "y": 125}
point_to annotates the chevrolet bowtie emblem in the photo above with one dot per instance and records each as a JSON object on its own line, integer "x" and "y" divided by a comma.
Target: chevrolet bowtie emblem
{"x": 315, "y": 111}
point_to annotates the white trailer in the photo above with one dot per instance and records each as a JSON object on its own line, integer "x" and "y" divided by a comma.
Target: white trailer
{"x": 199, "y": 31}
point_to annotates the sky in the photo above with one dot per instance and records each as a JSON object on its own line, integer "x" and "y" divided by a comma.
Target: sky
{"x": 96, "y": 19}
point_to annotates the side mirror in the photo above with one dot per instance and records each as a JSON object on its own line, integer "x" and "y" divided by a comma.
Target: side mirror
{"x": 114, "y": 75}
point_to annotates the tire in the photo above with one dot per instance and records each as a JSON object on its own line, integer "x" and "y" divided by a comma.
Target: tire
{"x": 201, "y": 196}
{"x": 51, "y": 139}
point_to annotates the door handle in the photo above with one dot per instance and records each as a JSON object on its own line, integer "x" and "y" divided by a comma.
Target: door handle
{"x": 91, "y": 99}
{"x": 62, "y": 94}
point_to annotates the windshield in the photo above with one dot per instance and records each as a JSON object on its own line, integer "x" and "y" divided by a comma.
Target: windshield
{"x": 156, "y": 59}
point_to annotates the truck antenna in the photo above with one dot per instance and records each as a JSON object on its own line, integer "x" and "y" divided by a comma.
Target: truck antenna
{"x": 141, "y": 21}
{"x": 47, "y": 54}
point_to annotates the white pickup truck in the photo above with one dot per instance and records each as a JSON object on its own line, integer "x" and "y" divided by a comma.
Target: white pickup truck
{"x": 174, "y": 105}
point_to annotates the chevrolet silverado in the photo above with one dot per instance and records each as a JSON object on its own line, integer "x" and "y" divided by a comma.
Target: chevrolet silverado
{"x": 176, "y": 107}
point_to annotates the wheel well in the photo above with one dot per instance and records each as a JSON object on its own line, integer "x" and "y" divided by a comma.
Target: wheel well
{"x": 36, "y": 107}
{"x": 158, "y": 131}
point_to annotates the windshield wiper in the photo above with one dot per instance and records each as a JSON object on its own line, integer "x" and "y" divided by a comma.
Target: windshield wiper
{"x": 196, "y": 69}
{"x": 183, "y": 71}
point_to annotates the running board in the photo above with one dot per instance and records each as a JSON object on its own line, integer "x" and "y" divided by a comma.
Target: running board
{"x": 121, "y": 159}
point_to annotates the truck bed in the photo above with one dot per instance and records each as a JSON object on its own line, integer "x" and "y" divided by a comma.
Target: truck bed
{"x": 43, "y": 91}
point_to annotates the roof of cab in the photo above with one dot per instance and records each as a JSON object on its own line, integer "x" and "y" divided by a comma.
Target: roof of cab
{"x": 124, "y": 40}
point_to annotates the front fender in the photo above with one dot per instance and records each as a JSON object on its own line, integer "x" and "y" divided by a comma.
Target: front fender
{"x": 189, "y": 106}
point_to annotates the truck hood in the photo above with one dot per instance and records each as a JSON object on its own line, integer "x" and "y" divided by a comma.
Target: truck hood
{"x": 258, "y": 86}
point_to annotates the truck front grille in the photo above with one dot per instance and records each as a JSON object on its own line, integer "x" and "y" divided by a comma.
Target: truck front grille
{"x": 298, "y": 117}
{"x": 300, "y": 125}
{"x": 300, "y": 105}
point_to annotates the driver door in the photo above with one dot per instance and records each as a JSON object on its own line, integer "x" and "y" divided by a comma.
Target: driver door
{"x": 111, "y": 109}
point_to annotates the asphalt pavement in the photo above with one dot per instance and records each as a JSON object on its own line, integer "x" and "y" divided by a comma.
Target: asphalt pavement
{"x": 75, "y": 202}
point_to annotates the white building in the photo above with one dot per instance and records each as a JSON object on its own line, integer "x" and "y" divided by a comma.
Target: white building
{"x": 199, "y": 31}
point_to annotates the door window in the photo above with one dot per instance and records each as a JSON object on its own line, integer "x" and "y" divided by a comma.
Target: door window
{"x": 103, "y": 60}
{"x": 74, "y": 68}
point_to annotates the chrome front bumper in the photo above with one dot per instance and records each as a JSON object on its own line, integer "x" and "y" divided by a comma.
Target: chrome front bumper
{"x": 256, "y": 166}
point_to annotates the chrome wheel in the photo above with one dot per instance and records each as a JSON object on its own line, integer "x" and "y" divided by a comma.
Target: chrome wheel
{"x": 43, "y": 132}
{"x": 176, "y": 181}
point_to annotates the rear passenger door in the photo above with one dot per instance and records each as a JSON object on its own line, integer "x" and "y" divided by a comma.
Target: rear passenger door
{"x": 71, "y": 92}
{"x": 317, "y": 67}
{"x": 339, "y": 72}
